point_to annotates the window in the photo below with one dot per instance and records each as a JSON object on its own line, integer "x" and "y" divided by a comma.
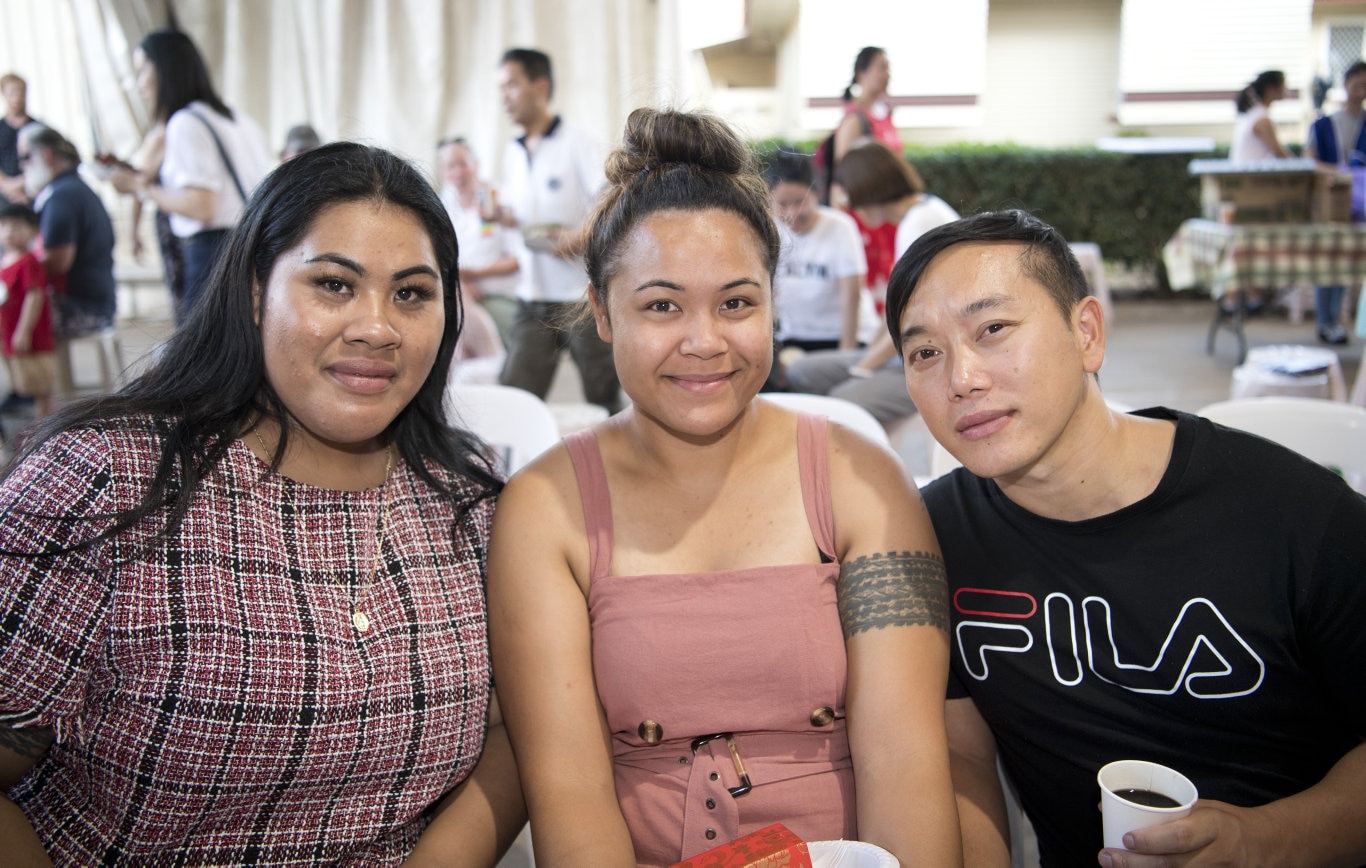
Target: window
{"x": 1344, "y": 47}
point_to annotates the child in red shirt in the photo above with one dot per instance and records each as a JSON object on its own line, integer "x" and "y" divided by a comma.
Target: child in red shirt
{"x": 25, "y": 315}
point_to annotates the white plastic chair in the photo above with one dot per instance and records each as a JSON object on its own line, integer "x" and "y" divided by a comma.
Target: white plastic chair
{"x": 847, "y": 413}
{"x": 941, "y": 460}
{"x": 1329, "y": 432}
{"x": 515, "y": 423}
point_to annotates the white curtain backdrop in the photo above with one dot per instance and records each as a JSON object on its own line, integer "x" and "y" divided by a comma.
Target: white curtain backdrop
{"x": 397, "y": 73}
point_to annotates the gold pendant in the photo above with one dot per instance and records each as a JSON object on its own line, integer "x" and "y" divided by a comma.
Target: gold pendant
{"x": 361, "y": 620}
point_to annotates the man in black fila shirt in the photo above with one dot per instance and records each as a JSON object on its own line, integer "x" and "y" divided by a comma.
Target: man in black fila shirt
{"x": 1126, "y": 586}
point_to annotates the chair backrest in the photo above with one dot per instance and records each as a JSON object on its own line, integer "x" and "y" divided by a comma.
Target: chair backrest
{"x": 941, "y": 459}
{"x": 847, "y": 413}
{"x": 1330, "y": 432}
{"x": 515, "y": 423}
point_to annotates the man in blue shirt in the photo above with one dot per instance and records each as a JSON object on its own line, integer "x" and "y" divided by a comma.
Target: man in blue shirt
{"x": 77, "y": 235}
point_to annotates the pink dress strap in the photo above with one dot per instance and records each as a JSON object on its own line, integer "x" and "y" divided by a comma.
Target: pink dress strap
{"x": 813, "y": 460}
{"x": 596, "y": 500}
{"x": 813, "y": 457}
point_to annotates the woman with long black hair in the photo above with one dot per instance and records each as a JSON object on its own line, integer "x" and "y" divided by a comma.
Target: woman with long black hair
{"x": 242, "y": 607}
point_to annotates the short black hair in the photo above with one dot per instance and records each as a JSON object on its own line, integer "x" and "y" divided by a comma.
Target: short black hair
{"x": 1356, "y": 67}
{"x": 536, "y": 64}
{"x": 1047, "y": 258}
{"x": 790, "y": 167}
{"x": 19, "y": 211}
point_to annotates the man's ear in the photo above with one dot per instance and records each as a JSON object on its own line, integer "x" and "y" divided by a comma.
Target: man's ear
{"x": 1088, "y": 322}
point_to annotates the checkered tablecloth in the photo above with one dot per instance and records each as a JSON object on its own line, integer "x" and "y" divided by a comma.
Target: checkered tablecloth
{"x": 1264, "y": 255}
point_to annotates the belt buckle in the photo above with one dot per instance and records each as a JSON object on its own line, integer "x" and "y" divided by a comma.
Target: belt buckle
{"x": 745, "y": 785}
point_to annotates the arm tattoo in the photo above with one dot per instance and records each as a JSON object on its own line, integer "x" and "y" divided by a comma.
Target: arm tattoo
{"x": 30, "y": 742}
{"x": 893, "y": 589}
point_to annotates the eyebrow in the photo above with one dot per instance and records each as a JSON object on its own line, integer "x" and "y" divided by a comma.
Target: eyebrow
{"x": 353, "y": 265}
{"x": 989, "y": 302}
{"x": 668, "y": 284}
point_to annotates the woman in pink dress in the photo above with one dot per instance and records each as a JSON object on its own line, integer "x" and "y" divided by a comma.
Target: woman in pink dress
{"x": 709, "y": 614}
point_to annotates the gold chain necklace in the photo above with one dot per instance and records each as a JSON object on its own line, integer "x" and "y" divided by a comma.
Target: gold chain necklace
{"x": 358, "y": 616}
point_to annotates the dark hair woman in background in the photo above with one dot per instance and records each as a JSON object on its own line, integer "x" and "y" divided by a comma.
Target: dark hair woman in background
{"x": 213, "y": 156}
{"x": 1254, "y": 135}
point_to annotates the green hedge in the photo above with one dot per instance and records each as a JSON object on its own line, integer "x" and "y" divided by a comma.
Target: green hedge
{"x": 1129, "y": 204}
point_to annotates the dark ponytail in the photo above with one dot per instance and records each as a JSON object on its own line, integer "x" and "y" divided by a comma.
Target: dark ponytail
{"x": 1256, "y": 91}
{"x": 865, "y": 59}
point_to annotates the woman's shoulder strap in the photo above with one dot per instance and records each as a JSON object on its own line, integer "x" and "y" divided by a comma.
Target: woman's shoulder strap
{"x": 813, "y": 460}
{"x": 595, "y": 497}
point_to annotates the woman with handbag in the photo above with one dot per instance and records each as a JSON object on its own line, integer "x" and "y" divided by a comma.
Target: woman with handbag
{"x": 214, "y": 156}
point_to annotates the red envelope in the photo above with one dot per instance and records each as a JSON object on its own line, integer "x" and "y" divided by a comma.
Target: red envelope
{"x": 773, "y": 846}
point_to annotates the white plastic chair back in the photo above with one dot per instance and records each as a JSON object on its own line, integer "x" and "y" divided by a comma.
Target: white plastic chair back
{"x": 941, "y": 459}
{"x": 846, "y": 413}
{"x": 1329, "y": 432}
{"x": 515, "y": 423}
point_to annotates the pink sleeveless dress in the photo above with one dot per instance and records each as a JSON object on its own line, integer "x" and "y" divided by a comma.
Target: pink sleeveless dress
{"x": 757, "y": 653}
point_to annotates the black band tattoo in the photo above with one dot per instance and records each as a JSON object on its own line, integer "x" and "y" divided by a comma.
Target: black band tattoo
{"x": 30, "y": 742}
{"x": 893, "y": 589}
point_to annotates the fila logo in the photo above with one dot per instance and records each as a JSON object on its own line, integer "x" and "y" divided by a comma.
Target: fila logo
{"x": 1085, "y": 641}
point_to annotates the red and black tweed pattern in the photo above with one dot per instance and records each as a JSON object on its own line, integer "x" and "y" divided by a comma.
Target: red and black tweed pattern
{"x": 212, "y": 700}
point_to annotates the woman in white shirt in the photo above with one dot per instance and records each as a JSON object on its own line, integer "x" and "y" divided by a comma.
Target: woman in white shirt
{"x": 214, "y": 156}
{"x": 1254, "y": 135}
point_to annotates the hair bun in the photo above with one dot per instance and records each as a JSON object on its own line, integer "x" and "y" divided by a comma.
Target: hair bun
{"x": 658, "y": 137}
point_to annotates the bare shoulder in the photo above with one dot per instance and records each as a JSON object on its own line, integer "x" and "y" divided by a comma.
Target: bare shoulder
{"x": 858, "y": 461}
{"x": 538, "y": 524}
{"x": 876, "y": 504}
{"x": 891, "y": 571}
{"x": 850, "y": 126}
{"x": 541, "y": 491}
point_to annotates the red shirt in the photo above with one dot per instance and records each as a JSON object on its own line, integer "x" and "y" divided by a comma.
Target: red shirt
{"x": 18, "y": 278}
{"x": 879, "y": 243}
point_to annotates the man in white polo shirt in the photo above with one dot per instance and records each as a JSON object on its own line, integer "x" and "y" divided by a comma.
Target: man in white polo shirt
{"x": 552, "y": 175}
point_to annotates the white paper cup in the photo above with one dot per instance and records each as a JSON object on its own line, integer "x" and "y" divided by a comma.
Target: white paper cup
{"x": 1121, "y": 816}
{"x": 849, "y": 854}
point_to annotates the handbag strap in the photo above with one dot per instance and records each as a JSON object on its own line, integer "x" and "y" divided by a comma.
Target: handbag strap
{"x": 222, "y": 152}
